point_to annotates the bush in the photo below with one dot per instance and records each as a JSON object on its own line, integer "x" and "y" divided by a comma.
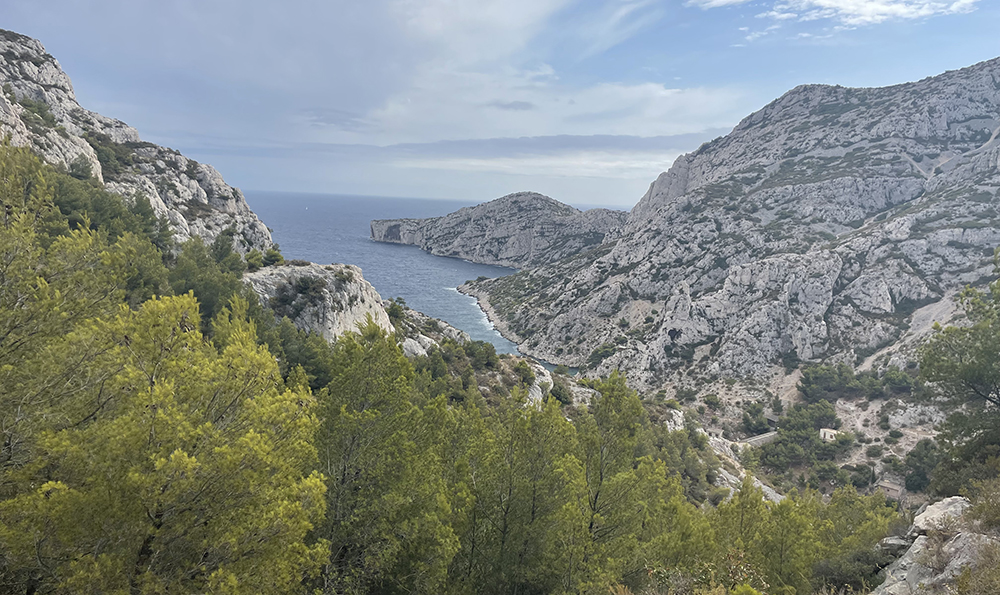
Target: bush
{"x": 600, "y": 354}
{"x": 686, "y": 395}
{"x": 524, "y": 373}
{"x": 713, "y": 402}
{"x": 292, "y": 298}
{"x": 273, "y": 256}
{"x": 254, "y": 260}
{"x": 561, "y": 393}
{"x": 395, "y": 312}
{"x": 982, "y": 577}
{"x": 81, "y": 169}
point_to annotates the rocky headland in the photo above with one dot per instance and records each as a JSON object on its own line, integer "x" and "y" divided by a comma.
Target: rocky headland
{"x": 518, "y": 230}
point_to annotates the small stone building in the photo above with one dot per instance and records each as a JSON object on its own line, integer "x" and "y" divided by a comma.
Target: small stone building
{"x": 891, "y": 487}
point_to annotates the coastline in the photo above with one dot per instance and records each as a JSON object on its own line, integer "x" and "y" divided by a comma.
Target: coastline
{"x": 487, "y": 308}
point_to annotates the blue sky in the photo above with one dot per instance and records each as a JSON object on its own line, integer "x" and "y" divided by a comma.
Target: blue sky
{"x": 583, "y": 100}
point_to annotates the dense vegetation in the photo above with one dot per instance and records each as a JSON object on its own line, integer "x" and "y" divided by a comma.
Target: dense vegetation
{"x": 163, "y": 433}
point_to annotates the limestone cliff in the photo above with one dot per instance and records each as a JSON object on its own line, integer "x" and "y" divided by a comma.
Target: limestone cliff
{"x": 517, "y": 230}
{"x": 38, "y": 109}
{"x": 834, "y": 224}
{"x": 326, "y": 299}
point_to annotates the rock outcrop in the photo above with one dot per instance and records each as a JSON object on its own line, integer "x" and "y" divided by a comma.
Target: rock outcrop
{"x": 835, "y": 224}
{"x": 518, "y": 230}
{"x": 38, "y": 109}
{"x": 418, "y": 332}
{"x": 326, "y": 299}
{"x": 937, "y": 548}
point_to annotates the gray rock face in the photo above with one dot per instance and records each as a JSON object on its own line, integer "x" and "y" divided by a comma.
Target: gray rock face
{"x": 940, "y": 516}
{"x": 820, "y": 229}
{"x": 326, "y": 299}
{"x": 937, "y": 550}
{"x": 38, "y": 109}
{"x": 518, "y": 230}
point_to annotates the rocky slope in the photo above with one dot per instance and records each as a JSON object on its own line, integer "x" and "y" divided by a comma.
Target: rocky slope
{"x": 518, "y": 230}
{"x": 833, "y": 224}
{"x": 326, "y": 299}
{"x": 38, "y": 109}
{"x": 939, "y": 546}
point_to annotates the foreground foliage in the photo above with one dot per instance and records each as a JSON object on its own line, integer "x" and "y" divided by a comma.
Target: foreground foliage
{"x": 193, "y": 443}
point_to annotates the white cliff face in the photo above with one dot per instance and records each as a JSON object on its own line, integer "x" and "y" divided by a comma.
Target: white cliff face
{"x": 517, "y": 230}
{"x": 813, "y": 232}
{"x": 38, "y": 109}
{"x": 326, "y": 299}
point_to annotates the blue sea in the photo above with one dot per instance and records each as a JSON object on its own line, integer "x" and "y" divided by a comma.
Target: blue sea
{"x": 327, "y": 228}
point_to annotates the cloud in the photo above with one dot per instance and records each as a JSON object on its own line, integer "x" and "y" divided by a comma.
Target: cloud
{"x": 714, "y": 3}
{"x": 852, "y": 12}
{"x": 777, "y": 15}
{"x": 755, "y": 35}
{"x": 446, "y": 104}
{"x": 583, "y": 164}
{"x": 513, "y": 105}
{"x": 387, "y": 78}
{"x": 870, "y": 12}
{"x": 615, "y": 22}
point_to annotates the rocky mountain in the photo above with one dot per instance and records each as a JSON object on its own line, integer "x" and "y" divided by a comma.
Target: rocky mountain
{"x": 38, "y": 109}
{"x": 835, "y": 224}
{"x": 328, "y": 300}
{"x": 518, "y": 230}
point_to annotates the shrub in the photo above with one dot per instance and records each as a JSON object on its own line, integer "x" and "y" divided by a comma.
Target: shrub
{"x": 395, "y": 312}
{"x": 254, "y": 260}
{"x": 293, "y": 298}
{"x": 686, "y": 395}
{"x": 273, "y": 256}
{"x": 524, "y": 373}
{"x": 600, "y": 354}
{"x": 561, "y": 393}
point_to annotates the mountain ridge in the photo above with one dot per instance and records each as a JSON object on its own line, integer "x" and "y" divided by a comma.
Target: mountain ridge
{"x": 813, "y": 232}
{"x": 38, "y": 109}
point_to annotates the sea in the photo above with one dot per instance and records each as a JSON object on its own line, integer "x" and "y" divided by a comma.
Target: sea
{"x": 331, "y": 228}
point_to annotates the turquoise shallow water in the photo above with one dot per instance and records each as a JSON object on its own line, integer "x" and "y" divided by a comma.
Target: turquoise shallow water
{"x": 328, "y": 228}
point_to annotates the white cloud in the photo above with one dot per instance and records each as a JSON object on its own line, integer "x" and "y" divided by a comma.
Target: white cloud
{"x": 616, "y": 22}
{"x": 586, "y": 164}
{"x": 852, "y": 12}
{"x": 714, "y": 3}
{"x": 446, "y": 104}
{"x": 755, "y": 35}
{"x": 777, "y": 15}
{"x": 866, "y": 12}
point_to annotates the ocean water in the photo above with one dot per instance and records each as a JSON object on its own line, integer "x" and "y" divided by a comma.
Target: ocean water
{"x": 328, "y": 228}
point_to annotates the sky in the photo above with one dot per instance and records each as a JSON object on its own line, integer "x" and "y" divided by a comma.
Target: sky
{"x": 586, "y": 101}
